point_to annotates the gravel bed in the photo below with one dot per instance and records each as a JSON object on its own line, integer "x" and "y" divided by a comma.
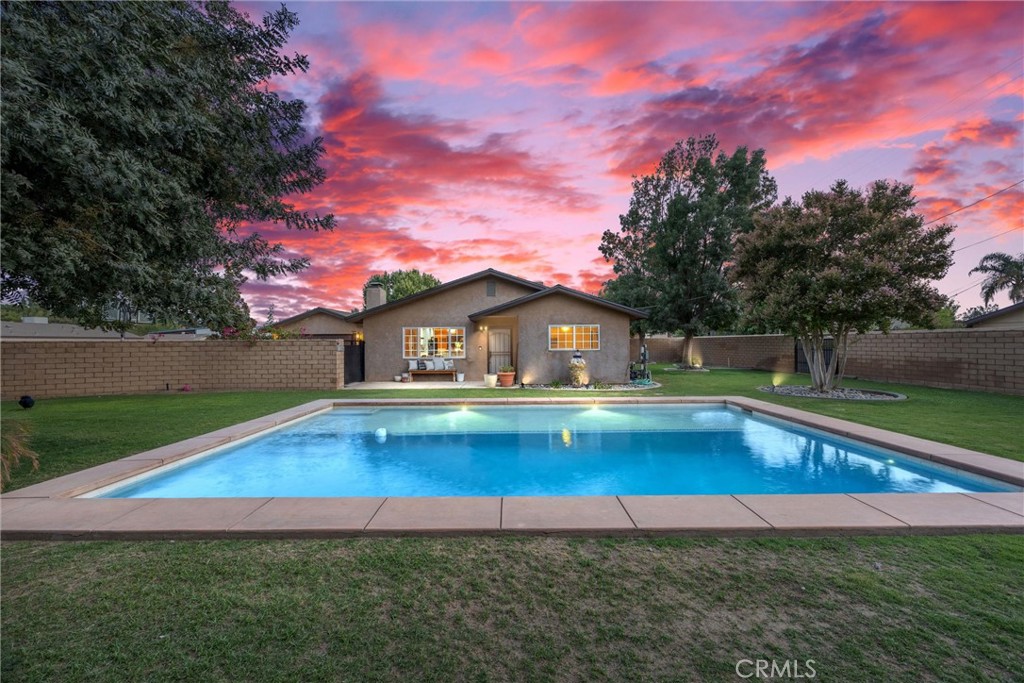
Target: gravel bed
{"x": 838, "y": 394}
{"x": 607, "y": 387}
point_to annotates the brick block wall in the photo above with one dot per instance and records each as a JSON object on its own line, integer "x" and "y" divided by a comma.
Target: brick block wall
{"x": 48, "y": 369}
{"x": 762, "y": 352}
{"x": 975, "y": 359}
{"x": 983, "y": 360}
{"x": 773, "y": 352}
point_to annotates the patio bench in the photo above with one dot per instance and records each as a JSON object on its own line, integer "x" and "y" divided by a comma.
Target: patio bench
{"x": 413, "y": 373}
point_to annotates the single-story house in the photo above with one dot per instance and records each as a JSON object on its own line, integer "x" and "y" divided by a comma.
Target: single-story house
{"x": 486, "y": 320}
{"x": 1009, "y": 318}
{"x": 322, "y": 323}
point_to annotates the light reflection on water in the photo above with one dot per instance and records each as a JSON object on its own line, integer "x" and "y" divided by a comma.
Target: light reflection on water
{"x": 549, "y": 450}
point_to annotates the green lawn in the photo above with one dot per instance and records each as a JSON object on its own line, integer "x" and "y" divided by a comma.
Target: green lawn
{"x": 525, "y": 609}
{"x": 489, "y": 609}
{"x": 75, "y": 433}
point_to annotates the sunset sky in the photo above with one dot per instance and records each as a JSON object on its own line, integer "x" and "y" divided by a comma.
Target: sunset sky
{"x": 463, "y": 136}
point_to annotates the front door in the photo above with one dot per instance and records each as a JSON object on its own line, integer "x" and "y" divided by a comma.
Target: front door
{"x": 499, "y": 349}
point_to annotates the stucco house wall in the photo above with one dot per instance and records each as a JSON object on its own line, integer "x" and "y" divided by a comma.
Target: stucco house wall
{"x": 448, "y": 308}
{"x": 538, "y": 365}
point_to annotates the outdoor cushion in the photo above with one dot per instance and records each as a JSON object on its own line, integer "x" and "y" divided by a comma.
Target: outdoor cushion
{"x": 430, "y": 365}
{"x": 438, "y": 363}
{"x": 414, "y": 365}
{"x": 449, "y": 364}
{"x": 421, "y": 365}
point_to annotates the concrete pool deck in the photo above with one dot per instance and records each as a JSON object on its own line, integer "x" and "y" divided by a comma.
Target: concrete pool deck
{"x": 52, "y": 509}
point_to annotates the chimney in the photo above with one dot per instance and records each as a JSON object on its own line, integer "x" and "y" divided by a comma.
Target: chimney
{"x": 375, "y": 295}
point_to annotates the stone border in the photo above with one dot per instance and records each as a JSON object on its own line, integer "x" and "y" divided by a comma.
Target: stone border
{"x": 51, "y": 511}
{"x": 840, "y": 394}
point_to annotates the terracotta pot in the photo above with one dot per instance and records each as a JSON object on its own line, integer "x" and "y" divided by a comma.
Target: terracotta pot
{"x": 506, "y": 379}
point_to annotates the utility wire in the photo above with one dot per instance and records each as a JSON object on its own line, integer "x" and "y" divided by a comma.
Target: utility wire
{"x": 1008, "y": 187}
{"x": 1004, "y": 232}
{"x": 971, "y": 286}
{"x": 921, "y": 119}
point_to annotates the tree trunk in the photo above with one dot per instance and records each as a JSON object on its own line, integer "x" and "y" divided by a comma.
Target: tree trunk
{"x": 826, "y": 376}
{"x": 687, "y": 348}
{"x": 839, "y": 355}
{"x": 814, "y": 351}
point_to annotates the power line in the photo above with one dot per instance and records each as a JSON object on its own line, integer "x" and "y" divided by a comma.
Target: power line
{"x": 987, "y": 78}
{"x": 921, "y": 119}
{"x": 1004, "y": 232}
{"x": 1009, "y": 187}
{"x": 971, "y": 286}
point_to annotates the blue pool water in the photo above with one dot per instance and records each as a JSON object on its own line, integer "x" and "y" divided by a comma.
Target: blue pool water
{"x": 547, "y": 451}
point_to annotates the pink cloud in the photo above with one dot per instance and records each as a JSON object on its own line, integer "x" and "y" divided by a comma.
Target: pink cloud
{"x": 984, "y": 131}
{"x": 505, "y": 136}
{"x": 379, "y": 160}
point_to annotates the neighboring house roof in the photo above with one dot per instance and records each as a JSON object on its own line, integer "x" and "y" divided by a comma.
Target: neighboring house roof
{"x": 319, "y": 309}
{"x": 633, "y": 313}
{"x": 994, "y": 314}
{"x": 490, "y": 272}
{"x": 15, "y": 330}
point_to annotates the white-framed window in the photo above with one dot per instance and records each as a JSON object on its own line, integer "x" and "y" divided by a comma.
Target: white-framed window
{"x": 570, "y": 337}
{"x": 431, "y": 342}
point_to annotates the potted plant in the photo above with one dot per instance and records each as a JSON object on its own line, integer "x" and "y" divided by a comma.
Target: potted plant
{"x": 506, "y": 375}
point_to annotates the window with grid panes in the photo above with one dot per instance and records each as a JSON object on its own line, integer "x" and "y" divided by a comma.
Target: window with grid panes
{"x": 573, "y": 337}
{"x": 429, "y": 342}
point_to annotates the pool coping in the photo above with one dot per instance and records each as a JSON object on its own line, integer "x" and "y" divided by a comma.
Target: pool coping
{"x": 51, "y": 510}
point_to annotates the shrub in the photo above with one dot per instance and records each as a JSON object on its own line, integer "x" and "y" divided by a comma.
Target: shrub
{"x": 14, "y": 449}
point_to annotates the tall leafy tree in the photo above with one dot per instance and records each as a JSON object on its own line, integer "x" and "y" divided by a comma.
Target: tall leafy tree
{"x": 631, "y": 289}
{"x": 140, "y": 141}
{"x": 842, "y": 261}
{"x": 674, "y": 244}
{"x": 978, "y": 311}
{"x": 402, "y": 283}
{"x": 1004, "y": 272}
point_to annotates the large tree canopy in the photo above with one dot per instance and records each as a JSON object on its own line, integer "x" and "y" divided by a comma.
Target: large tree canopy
{"x": 842, "y": 261}
{"x": 674, "y": 243}
{"x": 140, "y": 141}
{"x": 402, "y": 283}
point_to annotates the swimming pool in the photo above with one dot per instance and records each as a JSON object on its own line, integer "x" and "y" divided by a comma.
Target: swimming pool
{"x": 549, "y": 450}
